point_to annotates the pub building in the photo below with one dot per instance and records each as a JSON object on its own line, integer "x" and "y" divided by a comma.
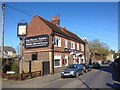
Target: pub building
{"x": 49, "y": 48}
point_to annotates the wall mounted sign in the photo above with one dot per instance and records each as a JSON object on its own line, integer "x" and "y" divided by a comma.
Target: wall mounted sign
{"x": 37, "y": 41}
{"x": 71, "y": 50}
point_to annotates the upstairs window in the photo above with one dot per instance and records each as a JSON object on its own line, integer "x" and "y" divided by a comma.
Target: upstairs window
{"x": 78, "y": 46}
{"x": 9, "y": 53}
{"x": 82, "y": 47}
{"x": 57, "y": 41}
{"x": 65, "y": 44}
{"x": 72, "y": 45}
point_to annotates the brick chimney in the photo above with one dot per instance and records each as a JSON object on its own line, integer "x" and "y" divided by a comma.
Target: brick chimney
{"x": 65, "y": 28}
{"x": 56, "y": 21}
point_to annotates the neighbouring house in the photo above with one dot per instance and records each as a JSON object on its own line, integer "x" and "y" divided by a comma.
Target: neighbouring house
{"x": 9, "y": 52}
{"x": 49, "y": 48}
{"x": 87, "y": 51}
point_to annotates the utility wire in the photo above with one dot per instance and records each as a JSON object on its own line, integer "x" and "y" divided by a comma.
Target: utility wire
{"x": 19, "y": 10}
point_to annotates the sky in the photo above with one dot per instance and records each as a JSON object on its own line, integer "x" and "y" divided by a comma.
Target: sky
{"x": 91, "y": 20}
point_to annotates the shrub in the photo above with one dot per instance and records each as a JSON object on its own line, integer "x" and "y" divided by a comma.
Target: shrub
{"x": 15, "y": 67}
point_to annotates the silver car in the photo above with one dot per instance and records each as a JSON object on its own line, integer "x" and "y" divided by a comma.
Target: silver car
{"x": 74, "y": 70}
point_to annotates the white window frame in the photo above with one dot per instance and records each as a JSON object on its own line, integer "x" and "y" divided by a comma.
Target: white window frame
{"x": 65, "y": 44}
{"x": 66, "y": 57}
{"x": 82, "y": 47}
{"x": 10, "y": 53}
{"x": 57, "y": 41}
{"x": 57, "y": 57}
{"x": 73, "y": 45}
{"x": 78, "y": 46}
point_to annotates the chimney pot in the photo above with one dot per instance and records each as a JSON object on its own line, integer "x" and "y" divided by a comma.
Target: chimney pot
{"x": 56, "y": 21}
{"x": 65, "y": 28}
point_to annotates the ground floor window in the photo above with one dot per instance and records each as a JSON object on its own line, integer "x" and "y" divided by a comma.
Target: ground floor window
{"x": 34, "y": 56}
{"x": 66, "y": 60}
{"x": 57, "y": 61}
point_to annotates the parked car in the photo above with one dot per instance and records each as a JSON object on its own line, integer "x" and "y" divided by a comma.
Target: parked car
{"x": 86, "y": 67}
{"x": 103, "y": 62}
{"x": 96, "y": 65}
{"x": 74, "y": 70}
{"x": 106, "y": 62}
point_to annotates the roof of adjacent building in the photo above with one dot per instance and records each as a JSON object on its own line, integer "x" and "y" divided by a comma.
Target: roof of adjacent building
{"x": 8, "y": 48}
{"x": 60, "y": 30}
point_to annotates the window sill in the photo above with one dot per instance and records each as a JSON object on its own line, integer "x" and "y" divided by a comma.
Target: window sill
{"x": 58, "y": 46}
{"x": 57, "y": 66}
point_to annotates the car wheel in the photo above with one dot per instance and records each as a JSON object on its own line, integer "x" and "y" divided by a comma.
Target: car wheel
{"x": 86, "y": 70}
{"x": 77, "y": 74}
{"x": 82, "y": 71}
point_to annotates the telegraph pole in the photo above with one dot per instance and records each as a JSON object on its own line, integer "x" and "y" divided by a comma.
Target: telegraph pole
{"x": 2, "y": 47}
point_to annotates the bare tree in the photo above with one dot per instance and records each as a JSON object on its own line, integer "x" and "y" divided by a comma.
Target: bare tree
{"x": 99, "y": 48}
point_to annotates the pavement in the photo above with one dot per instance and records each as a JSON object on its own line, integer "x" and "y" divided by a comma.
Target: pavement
{"x": 106, "y": 77}
{"x": 31, "y": 83}
{"x": 46, "y": 79}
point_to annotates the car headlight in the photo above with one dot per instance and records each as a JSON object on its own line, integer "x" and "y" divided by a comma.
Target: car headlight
{"x": 62, "y": 72}
{"x": 71, "y": 72}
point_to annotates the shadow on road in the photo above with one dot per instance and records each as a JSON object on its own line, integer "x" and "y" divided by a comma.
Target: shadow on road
{"x": 111, "y": 69}
{"x": 116, "y": 86}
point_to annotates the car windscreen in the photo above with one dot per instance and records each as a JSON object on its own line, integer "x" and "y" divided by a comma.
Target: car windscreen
{"x": 73, "y": 66}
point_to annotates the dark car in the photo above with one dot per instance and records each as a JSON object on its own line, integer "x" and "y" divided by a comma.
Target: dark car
{"x": 106, "y": 62}
{"x": 73, "y": 70}
{"x": 86, "y": 67}
{"x": 96, "y": 65}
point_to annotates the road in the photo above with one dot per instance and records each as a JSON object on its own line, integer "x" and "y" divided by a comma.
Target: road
{"x": 97, "y": 78}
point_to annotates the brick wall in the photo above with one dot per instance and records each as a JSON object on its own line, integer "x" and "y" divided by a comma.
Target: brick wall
{"x": 37, "y": 64}
{"x": 38, "y": 27}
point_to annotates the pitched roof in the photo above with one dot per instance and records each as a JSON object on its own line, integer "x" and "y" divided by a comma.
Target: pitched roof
{"x": 8, "y": 48}
{"x": 61, "y": 30}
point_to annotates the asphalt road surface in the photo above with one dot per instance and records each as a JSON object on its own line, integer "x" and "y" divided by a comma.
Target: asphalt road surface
{"x": 104, "y": 77}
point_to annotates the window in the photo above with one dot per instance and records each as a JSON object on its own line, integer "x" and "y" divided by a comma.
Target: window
{"x": 10, "y": 53}
{"x": 34, "y": 56}
{"x": 82, "y": 47}
{"x": 65, "y": 44}
{"x": 57, "y": 61}
{"x": 57, "y": 41}
{"x": 72, "y": 45}
{"x": 66, "y": 60}
{"x": 77, "y": 46}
